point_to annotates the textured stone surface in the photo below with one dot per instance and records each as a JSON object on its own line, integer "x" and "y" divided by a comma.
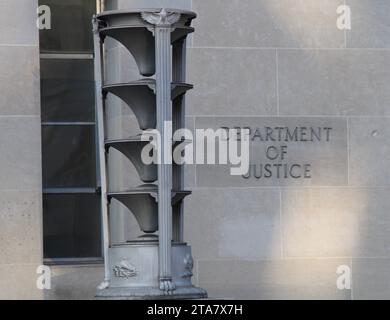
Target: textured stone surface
{"x": 334, "y": 82}
{"x": 19, "y": 74}
{"x": 232, "y": 82}
{"x": 369, "y": 22}
{"x": 370, "y": 279}
{"x": 18, "y": 282}
{"x": 74, "y": 282}
{"x": 18, "y": 22}
{"x": 20, "y": 227}
{"x": 234, "y": 223}
{"x": 20, "y": 153}
{"x": 369, "y": 151}
{"x": 267, "y": 23}
{"x": 275, "y": 279}
{"x": 336, "y": 222}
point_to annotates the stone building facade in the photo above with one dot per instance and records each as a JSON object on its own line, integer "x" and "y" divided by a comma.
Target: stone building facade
{"x": 257, "y": 64}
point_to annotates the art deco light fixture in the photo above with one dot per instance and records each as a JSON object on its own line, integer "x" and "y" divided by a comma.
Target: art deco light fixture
{"x": 159, "y": 263}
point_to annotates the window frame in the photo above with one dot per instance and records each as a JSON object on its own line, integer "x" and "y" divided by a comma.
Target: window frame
{"x": 74, "y": 190}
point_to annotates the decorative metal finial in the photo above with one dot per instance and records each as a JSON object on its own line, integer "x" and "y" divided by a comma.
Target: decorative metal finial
{"x": 162, "y": 18}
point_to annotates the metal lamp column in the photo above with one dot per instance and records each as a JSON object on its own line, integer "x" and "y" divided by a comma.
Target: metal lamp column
{"x": 145, "y": 268}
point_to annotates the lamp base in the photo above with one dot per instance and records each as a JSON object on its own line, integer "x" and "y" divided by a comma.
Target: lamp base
{"x": 150, "y": 293}
{"x": 134, "y": 272}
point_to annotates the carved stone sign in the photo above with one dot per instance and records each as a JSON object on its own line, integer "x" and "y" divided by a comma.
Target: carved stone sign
{"x": 284, "y": 151}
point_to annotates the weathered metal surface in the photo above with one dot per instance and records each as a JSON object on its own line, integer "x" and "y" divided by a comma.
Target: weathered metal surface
{"x": 134, "y": 273}
{"x": 132, "y": 148}
{"x": 143, "y": 203}
{"x": 151, "y": 266}
{"x": 132, "y": 31}
{"x": 140, "y": 97}
{"x": 101, "y": 147}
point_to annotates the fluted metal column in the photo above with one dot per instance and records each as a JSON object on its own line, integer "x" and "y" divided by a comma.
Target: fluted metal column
{"x": 162, "y": 32}
{"x": 164, "y": 114}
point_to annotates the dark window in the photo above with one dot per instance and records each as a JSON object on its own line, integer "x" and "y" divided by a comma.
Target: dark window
{"x": 67, "y": 87}
{"x": 68, "y": 156}
{"x": 71, "y": 229}
{"x": 71, "y": 206}
{"x": 71, "y": 26}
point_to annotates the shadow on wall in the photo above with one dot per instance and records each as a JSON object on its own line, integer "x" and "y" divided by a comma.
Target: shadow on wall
{"x": 287, "y": 241}
{"x": 74, "y": 282}
{"x": 277, "y": 241}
